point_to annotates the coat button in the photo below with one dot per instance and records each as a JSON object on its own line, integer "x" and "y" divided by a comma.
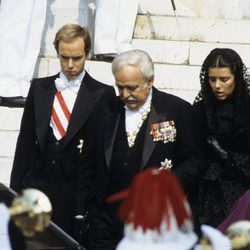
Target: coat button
{"x": 53, "y": 162}
{"x": 57, "y": 143}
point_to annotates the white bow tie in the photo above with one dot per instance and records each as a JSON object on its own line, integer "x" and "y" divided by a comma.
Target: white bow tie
{"x": 72, "y": 85}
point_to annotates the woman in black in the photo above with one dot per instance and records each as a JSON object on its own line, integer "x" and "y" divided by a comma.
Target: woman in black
{"x": 223, "y": 108}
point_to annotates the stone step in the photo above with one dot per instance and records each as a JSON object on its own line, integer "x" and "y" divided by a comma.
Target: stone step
{"x": 9, "y": 128}
{"x": 186, "y": 52}
{"x": 234, "y": 9}
{"x": 6, "y": 164}
{"x": 192, "y": 29}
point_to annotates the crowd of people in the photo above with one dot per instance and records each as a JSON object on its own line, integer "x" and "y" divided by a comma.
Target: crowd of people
{"x": 81, "y": 144}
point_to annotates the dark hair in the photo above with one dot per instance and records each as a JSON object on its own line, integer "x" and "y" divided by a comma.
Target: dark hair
{"x": 70, "y": 32}
{"x": 225, "y": 57}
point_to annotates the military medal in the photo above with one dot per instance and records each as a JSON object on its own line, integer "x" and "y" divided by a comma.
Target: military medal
{"x": 155, "y": 132}
{"x": 163, "y": 131}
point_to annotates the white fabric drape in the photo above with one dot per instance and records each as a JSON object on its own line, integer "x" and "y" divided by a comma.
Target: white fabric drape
{"x": 4, "y": 223}
{"x": 22, "y": 24}
{"x": 114, "y": 25}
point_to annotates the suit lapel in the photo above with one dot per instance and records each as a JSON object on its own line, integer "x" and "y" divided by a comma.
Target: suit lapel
{"x": 148, "y": 145}
{"x": 112, "y": 120}
{"x": 154, "y": 117}
{"x": 84, "y": 104}
{"x": 44, "y": 97}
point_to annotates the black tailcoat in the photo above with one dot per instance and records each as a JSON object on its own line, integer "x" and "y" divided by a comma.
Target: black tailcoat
{"x": 185, "y": 153}
{"x": 31, "y": 168}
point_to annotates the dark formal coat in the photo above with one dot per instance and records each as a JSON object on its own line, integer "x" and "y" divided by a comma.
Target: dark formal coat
{"x": 225, "y": 180}
{"x": 55, "y": 173}
{"x": 185, "y": 152}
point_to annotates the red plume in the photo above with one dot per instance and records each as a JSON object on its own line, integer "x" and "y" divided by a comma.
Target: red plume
{"x": 153, "y": 196}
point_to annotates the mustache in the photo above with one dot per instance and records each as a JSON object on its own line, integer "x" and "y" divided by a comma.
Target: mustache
{"x": 128, "y": 99}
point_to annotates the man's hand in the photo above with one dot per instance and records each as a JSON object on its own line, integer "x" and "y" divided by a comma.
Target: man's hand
{"x": 80, "y": 228}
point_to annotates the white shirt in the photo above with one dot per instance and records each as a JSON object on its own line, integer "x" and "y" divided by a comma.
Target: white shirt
{"x": 134, "y": 118}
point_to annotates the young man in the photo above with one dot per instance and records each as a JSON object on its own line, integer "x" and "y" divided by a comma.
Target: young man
{"x": 55, "y": 121}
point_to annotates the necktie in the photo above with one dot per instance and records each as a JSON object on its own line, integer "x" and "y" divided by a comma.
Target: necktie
{"x": 60, "y": 115}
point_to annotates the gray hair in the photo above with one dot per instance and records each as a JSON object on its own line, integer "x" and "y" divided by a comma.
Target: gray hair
{"x": 135, "y": 58}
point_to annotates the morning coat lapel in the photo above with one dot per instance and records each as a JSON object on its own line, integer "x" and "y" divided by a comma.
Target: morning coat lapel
{"x": 84, "y": 104}
{"x": 155, "y": 116}
{"x": 44, "y": 97}
{"x": 112, "y": 119}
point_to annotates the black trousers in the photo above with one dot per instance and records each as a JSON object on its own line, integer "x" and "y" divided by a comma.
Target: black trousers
{"x": 59, "y": 190}
{"x": 105, "y": 229}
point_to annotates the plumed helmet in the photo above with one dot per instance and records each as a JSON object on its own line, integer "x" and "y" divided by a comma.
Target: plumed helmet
{"x": 156, "y": 213}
